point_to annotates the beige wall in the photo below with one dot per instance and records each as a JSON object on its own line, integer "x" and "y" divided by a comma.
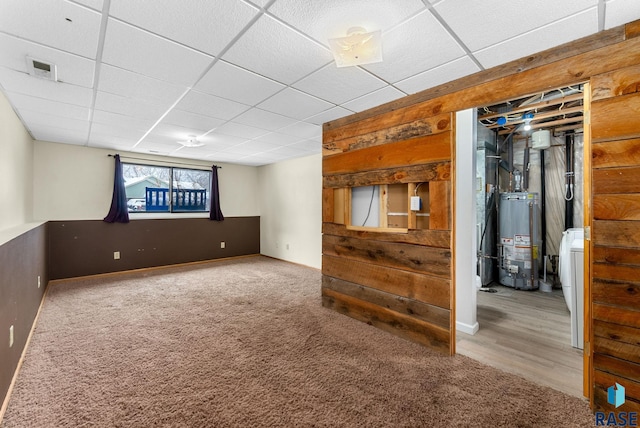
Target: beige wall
{"x": 76, "y": 183}
{"x": 16, "y": 169}
{"x": 291, "y": 210}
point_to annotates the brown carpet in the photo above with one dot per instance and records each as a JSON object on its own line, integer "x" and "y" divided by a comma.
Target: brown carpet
{"x": 246, "y": 343}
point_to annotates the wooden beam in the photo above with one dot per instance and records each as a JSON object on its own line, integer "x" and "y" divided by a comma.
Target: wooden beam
{"x": 429, "y": 238}
{"x": 434, "y": 171}
{"x": 541, "y": 105}
{"x": 440, "y": 205}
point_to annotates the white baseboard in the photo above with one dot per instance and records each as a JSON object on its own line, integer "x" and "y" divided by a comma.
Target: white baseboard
{"x": 466, "y": 328}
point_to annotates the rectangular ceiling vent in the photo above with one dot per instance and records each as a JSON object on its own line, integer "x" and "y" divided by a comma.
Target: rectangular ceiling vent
{"x": 42, "y": 69}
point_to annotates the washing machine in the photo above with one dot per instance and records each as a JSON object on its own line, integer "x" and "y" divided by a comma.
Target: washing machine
{"x": 571, "y": 272}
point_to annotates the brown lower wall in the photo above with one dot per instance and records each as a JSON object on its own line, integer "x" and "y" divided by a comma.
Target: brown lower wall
{"x": 22, "y": 260}
{"x": 86, "y": 247}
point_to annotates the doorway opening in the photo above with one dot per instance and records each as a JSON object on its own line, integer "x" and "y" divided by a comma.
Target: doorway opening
{"x": 529, "y": 222}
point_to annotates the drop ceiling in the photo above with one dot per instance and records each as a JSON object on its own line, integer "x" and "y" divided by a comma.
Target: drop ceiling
{"x": 253, "y": 79}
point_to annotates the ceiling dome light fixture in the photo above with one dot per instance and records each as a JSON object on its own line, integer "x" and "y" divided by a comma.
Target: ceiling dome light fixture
{"x": 191, "y": 141}
{"x": 357, "y": 48}
{"x": 527, "y": 117}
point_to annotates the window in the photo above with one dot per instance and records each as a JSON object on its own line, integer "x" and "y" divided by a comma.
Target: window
{"x": 166, "y": 189}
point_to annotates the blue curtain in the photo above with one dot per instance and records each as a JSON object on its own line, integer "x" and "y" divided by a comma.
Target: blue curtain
{"x": 118, "y": 213}
{"x": 215, "y": 213}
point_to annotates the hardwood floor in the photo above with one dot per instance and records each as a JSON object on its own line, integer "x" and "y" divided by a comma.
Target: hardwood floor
{"x": 527, "y": 333}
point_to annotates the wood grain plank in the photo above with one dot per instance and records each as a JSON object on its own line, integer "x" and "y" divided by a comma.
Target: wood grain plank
{"x": 616, "y": 315}
{"x": 632, "y": 29}
{"x": 616, "y": 207}
{"x": 616, "y": 366}
{"x": 604, "y": 380}
{"x": 405, "y": 131}
{"x": 328, "y": 205}
{"x": 614, "y": 348}
{"x": 434, "y": 171}
{"x": 616, "y": 233}
{"x": 619, "y": 82}
{"x": 428, "y": 238}
{"x": 414, "y": 258}
{"x": 409, "y": 307}
{"x": 614, "y": 255}
{"x": 615, "y": 272}
{"x": 424, "y": 288}
{"x": 572, "y": 54}
{"x": 385, "y": 319}
{"x": 617, "y": 332}
{"x": 616, "y": 153}
{"x": 613, "y": 118}
{"x": 440, "y": 208}
{"x": 600, "y": 403}
{"x": 616, "y": 180}
{"x": 619, "y": 293}
{"x": 415, "y": 151}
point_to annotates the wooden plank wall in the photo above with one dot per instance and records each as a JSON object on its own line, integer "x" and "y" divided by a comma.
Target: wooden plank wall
{"x": 615, "y": 266}
{"x": 399, "y": 282}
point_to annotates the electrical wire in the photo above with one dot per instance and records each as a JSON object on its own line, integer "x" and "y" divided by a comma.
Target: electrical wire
{"x": 373, "y": 192}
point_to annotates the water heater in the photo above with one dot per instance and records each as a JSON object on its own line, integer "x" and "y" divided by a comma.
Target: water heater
{"x": 519, "y": 240}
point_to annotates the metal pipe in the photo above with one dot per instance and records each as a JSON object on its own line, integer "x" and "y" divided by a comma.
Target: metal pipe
{"x": 531, "y": 259}
{"x": 543, "y": 208}
{"x": 568, "y": 186}
{"x": 525, "y": 167}
{"x": 510, "y": 161}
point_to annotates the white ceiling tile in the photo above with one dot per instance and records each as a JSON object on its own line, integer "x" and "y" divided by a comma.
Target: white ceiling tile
{"x": 303, "y": 130}
{"x": 224, "y": 157}
{"x": 263, "y": 119}
{"x": 220, "y": 141}
{"x": 559, "y": 32}
{"x": 20, "y": 82}
{"x": 287, "y": 151}
{"x": 277, "y": 139}
{"x": 234, "y": 83}
{"x": 247, "y": 148}
{"x": 132, "y": 85}
{"x": 209, "y": 105}
{"x": 158, "y": 144}
{"x": 93, "y": 4}
{"x": 129, "y": 106}
{"x": 239, "y": 130}
{"x": 54, "y": 23}
{"x": 329, "y": 115}
{"x": 145, "y": 53}
{"x": 338, "y": 85}
{"x": 374, "y": 99}
{"x": 308, "y": 145}
{"x": 71, "y": 69}
{"x": 419, "y": 44}
{"x": 54, "y": 108}
{"x": 296, "y": 104}
{"x": 174, "y": 133}
{"x": 195, "y": 23}
{"x": 485, "y": 23}
{"x": 127, "y": 131}
{"x": 327, "y": 19}
{"x": 275, "y": 51}
{"x": 39, "y": 119}
{"x": 620, "y": 12}
{"x": 58, "y": 135}
{"x": 192, "y": 120}
{"x": 117, "y": 120}
{"x": 445, "y": 73}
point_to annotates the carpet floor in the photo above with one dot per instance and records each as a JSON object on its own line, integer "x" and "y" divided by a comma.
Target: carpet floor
{"x": 246, "y": 343}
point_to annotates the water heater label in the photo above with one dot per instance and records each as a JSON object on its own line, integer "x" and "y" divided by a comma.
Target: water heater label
{"x": 522, "y": 239}
{"x": 507, "y": 241}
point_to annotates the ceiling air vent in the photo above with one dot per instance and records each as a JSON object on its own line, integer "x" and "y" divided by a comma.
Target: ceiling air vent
{"x": 42, "y": 69}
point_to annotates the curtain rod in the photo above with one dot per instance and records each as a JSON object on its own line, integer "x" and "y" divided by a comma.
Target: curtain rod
{"x": 153, "y": 160}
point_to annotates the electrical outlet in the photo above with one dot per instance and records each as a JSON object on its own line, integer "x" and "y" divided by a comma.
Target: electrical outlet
{"x": 116, "y": 255}
{"x": 38, "y": 281}
{"x": 10, "y": 336}
{"x": 222, "y": 244}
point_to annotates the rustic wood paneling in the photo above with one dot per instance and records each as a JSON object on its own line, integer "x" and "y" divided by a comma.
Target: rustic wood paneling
{"x": 616, "y": 255}
{"x": 632, "y": 29}
{"x": 615, "y": 348}
{"x": 600, "y": 402}
{"x": 620, "y": 293}
{"x": 614, "y": 154}
{"x": 419, "y": 150}
{"x": 617, "y": 332}
{"x": 414, "y": 258}
{"x": 604, "y": 380}
{"x": 424, "y": 288}
{"x": 430, "y": 238}
{"x": 402, "y": 325}
{"x": 328, "y": 208}
{"x": 417, "y": 128}
{"x": 440, "y": 211}
{"x": 619, "y": 82}
{"x": 435, "y": 171}
{"x": 423, "y": 311}
{"x": 616, "y": 180}
{"x": 617, "y": 272}
{"x": 616, "y": 315}
{"x": 616, "y": 233}
{"x": 610, "y": 118}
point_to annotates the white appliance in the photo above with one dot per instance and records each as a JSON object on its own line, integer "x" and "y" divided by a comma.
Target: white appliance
{"x": 571, "y": 272}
